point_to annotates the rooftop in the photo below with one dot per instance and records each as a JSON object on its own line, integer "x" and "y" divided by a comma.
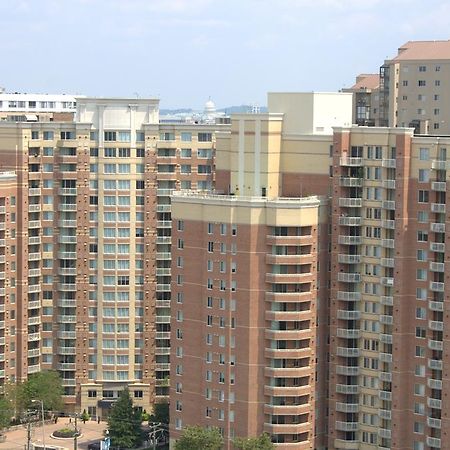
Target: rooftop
{"x": 414, "y": 50}
{"x": 366, "y": 81}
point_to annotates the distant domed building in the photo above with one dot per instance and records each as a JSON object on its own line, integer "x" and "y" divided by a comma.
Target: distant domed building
{"x": 210, "y": 108}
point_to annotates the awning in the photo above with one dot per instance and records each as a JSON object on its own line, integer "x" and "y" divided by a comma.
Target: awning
{"x": 31, "y": 117}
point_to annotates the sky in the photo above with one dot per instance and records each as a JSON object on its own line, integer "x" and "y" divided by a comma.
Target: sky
{"x": 185, "y": 51}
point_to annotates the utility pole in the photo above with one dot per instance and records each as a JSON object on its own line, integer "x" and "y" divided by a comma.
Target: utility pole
{"x": 75, "y": 437}
{"x": 28, "y": 435}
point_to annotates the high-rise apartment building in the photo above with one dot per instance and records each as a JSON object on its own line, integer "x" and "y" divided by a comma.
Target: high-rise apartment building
{"x": 375, "y": 289}
{"x": 248, "y": 353}
{"x": 87, "y": 257}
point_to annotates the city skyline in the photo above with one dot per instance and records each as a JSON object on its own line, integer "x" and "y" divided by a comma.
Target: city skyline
{"x": 184, "y": 52}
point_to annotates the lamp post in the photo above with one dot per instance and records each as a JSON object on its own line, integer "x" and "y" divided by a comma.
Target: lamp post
{"x": 42, "y": 411}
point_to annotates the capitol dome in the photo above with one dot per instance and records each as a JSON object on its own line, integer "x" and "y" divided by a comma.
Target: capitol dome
{"x": 210, "y": 107}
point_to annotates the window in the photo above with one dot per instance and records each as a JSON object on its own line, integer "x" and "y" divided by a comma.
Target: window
{"x": 437, "y": 82}
{"x": 423, "y": 196}
{"x": 204, "y": 137}
{"x": 186, "y": 136}
{"x": 186, "y": 153}
{"x": 421, "y": 83}
{"x": 424, "y": 175}
{"x": 422, "y": 236}
{"x": 110, "y": 136}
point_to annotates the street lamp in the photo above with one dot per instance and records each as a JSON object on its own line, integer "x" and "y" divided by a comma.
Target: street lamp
{"x": 42, "y": 411}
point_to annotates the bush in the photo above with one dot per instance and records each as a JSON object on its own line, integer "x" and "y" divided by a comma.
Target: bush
{"x": 64, "y": 433}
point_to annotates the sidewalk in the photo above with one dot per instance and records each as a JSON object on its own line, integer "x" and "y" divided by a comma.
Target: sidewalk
{"x": 91, "y": 431}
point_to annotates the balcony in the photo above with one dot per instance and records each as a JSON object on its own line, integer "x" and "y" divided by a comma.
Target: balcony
{"x": 346, "y": 426}
{"x": 388, "y": 204}
{"x": 163, "y": 208}
{"x": 34, "y": 304}
{"x": 389, "y": 163}
{"x": 34, "y": 240}
{"x": 348, "y": 315}
{"x": 348, "y": 352}
{"x": 162, "y": 287}
{"x": 387, "y": 262}
{"x": 34, "y": 368}
{"x": 67, "y": 334}
{"x": 389, "y": 184}
{"x": 346, "y": 202}
{"x": 34, "y": 191}
{"x": 437, "y": 164}
{"x": 66, "y": 350}
{"x": 347, "y": 370}
{"x": 388, "y": 243}
{"x": 386, "y": 357}
{"x": 164, "y": 192}
{"x": 34, "y": 288}
{"x": 435, "y": 384}
{"x": 347, "y": 388}
{"x": 436, "y": 325}
{"x": 162, "y": 319}
{"x": 163, "y": 239}
{"x": 344, "y": 444}
{"x": 66, "y": 318}
{"x": 349, "y": 296}
{"x": 163, "y": 255}
{"x": 435, "y": 345}
{"x": 437, "y": 286}
{"x": 436, "y": 306}
{"x": 387, "y": 281}
{"x": 350, "y": 240}
{"x": 388, "y": 224}
{"x": 386, "y": 339}
{"x": 67, "y": 223}
{"x": 34, "y": 208}
{"x": 349, "y": 259}
{"x": 438, "y": 207}
{"x": 34, "y": 320}
{"x": 34, "y": 337}
{"x": 434, "y": 403}
{"x": 385, "y": 395}
{"x": 350, "y": 182}
{"x": 385, "y": 414}
{"x": 437, "y": 267}
{"x": 34, "y": 272}
{"x": 33, "y": 353}
{"x": 66, "y": 366}
{"x": 440, "y": 186}
{"x": 386, "y": 320}
{"x": 67, "y": 287}
{"x": 67, "y": 303}
{"x": 384, "y": 433}
{"x": 348, "y": 333}
{"x": 67, "y": 207}
{"x": 435, "y": 364}
{"x": 67, "y": 191}
{"x": 350, "y": 221}
{"x": 349, "y": 277}
{"x": 67, "y": 271}
{"x": 434, "y": 423}
{"x": 437, "y": 227}
{"x": 66, "y": 239}
{"x": 67, "y": 255}
{"x": 437, "y": 247}
{"x": 350, "y": 161}
{"x": 433, "y": 442}
{"x": 164, "y": 224}
{"x": 34, "y": 224}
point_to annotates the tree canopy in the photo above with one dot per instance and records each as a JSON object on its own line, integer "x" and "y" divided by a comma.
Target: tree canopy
{"x": 160, "y": 413}
{"x": 124, "y": 423}
{"x": 6, "y": 412}
{"x": 45, "y": 386}
{"x": 195, "y": 438}
{"x": 261, "y": 442}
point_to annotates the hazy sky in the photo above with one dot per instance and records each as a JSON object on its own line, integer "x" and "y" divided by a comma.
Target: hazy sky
{"x": 184, "y": 51}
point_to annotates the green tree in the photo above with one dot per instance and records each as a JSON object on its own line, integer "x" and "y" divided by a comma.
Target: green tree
{"x": 261, "y": 442}
{"x": 195, "y": 438}
{"x": 160, "y": 413}
{"x": 6, "y": 413}
{"x": 124, "y": 423}
{"x": 45, "y": 386}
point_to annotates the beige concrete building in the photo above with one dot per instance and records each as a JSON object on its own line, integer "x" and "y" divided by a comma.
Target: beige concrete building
{"x": 93, "y": 233}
